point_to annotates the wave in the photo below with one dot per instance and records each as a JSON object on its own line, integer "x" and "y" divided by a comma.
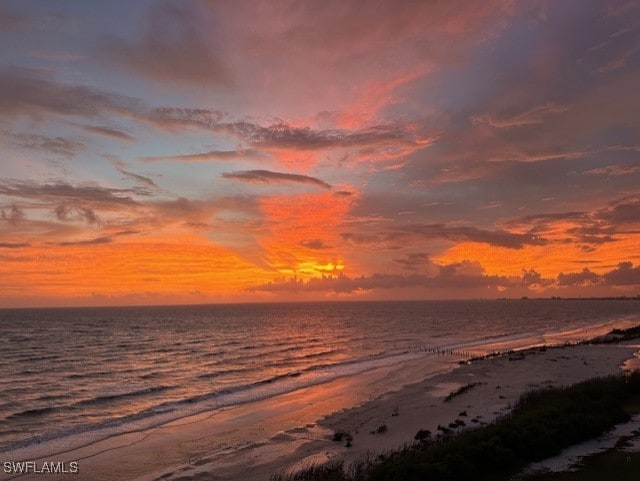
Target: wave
{"x": 109, "y": 398}
{"x": 85, "y": 375}
{"x": 283, "y": 364}
{"x": 223, "y": 372}
{"x": 47, "y": 357}
{"x": 95, "y": 401}
{"x": 172, "y": 410}
{"x": 34, "y": 412}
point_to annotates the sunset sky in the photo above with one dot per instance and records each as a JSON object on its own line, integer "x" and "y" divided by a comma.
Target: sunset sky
{"x": 201, "y": 151}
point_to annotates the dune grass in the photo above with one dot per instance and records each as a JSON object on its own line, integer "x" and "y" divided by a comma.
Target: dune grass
{"x": 612, "y": 464}
{"x": 542, "y": 424}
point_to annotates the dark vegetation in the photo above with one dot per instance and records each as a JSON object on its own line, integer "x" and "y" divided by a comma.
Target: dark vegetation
{"x": 461, "y": 390}
{"x": 612, "y": 464}
{"x": 541, "y": 425}
{"x": 342, "y": 435}
{"x": 617, "y": 335}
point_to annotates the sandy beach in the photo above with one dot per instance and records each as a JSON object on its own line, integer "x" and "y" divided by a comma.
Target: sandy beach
{"x": 294, "y": 430}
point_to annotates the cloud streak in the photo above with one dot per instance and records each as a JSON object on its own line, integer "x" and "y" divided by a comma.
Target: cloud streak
{"x": 269, "y": 177}
{"x": 406, "y": 233}
{"x": 62, "y": 191}
{"x": 61, "y": 146}
{"x": 30, "y": 93}
{"x": 211, "y": 155}
{"x": 107, "y": 132}
{"x": 140, "y": 179}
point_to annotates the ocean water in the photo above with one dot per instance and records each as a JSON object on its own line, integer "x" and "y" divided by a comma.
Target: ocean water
{"x": 72, "y": 376}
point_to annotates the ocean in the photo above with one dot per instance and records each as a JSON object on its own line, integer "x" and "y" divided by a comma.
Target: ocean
{"x": 69, "y": 377}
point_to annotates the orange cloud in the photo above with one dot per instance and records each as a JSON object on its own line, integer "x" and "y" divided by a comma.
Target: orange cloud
{"x": 167, "y": 270}
{"x": 549, "y": 260}
{"x": 301, "y": 235}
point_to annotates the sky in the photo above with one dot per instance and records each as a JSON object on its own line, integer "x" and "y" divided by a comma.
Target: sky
{"x": 160, "y": 152}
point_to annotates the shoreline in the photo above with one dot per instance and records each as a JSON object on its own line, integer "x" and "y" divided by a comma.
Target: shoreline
{"x": 494, "y": 386}
{"x": 151, "y": 453}
{"x": 294, "y": 430}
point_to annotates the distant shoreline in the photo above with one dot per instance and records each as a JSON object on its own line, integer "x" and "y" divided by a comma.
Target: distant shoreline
{"x": 312, "y": 302}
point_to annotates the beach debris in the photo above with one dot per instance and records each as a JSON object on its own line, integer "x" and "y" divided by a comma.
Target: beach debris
{"x": 422, "y": 435}
{"x": 461, "y": 390}
{"x": 341, "y": 435}
{"x": 444, "y": 430}
{"x": 380, "y": 429}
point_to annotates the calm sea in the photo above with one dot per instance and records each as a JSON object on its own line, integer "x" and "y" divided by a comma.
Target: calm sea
{"x": 72, "y": 376}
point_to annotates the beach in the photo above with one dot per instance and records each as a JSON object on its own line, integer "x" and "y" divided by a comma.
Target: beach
{"x": 296, "y": 429}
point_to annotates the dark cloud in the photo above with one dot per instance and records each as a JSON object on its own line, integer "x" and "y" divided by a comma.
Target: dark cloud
{"x": 280, "y": 135}
{"x": 141, "y": 179}
{"x": 87, "y": 242}
{"x": 593, "y": 234}
{"x": 11, "y": 215}
{"x": 343, "y": 193}
{"x": 624, "y": 275}
{"x": 69, "y": 213}
{"x": 414, "y": 261}
{"x": 51, "y": 145}
{"x": 585, "y": 277}
{"x": 174, "y": 46}
{"x": 13, "y": 245}
{"x": 624, "y": 211}
{"x": 199, "y": 213}
{"x": 499, "y": 238}
{"x": 183, "y": 208}
{"x": 284, "y": 136}
{"x": 269, "y": 177}
{"x": 107, "y": 132}
{"x": 533, "y": 278}
{"x": 171, "y": 118}
{"x": 212, "y": 155}
{"x": 61, "y": 192}
{"x": 463, "y": 275}
{"x": 599, "y": 226}
{"x": 538, "y": 222}
{"x": 316, "y": 244}
{"x": 32, "y": 93}
{"x": 344, "y": 284}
